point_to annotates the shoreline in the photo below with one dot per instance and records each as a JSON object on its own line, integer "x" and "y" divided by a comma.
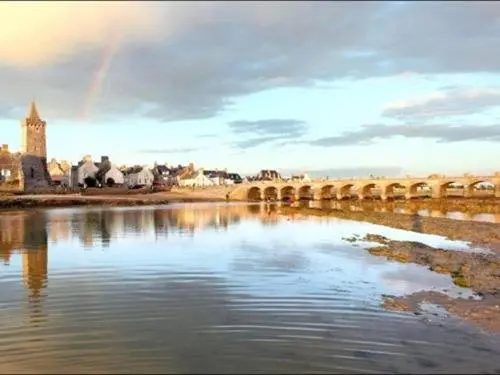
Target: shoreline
{"x": 477, "y": 271}
{"x": 77, "y": 200}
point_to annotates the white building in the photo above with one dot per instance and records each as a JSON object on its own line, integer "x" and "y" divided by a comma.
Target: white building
{"x": 115, "y": 174}
{"x": 195, "y": 179}
{"x": 87, "y": 169}
{"x": 142, "y": 177}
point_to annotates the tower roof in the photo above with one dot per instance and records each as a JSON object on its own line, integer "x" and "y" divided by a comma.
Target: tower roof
{"x": 33, "y": 111}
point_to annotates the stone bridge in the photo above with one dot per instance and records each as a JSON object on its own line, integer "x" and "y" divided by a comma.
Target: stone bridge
{"x": 374, "y": 188}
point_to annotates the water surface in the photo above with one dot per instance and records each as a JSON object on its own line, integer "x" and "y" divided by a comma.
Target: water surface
{"x": 217, "y": 288}
{"x": 381, "y": 207}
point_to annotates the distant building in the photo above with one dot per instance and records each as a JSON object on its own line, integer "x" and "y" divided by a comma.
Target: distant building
{"x": 59, "y": 173}
{"x": 101, "y": 173}
{"x": 139, "y": 176}
{"x": 195, "y": 179}
{"x": 114, "y": 176}
{"x": 301, "y": 178}
{"x": 223, "y": 177}
{"x": 267, "y": 175}
{"x": 27, "y": 169}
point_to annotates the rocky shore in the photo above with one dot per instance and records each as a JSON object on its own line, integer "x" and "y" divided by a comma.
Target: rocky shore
{"x": 478, "y": 271}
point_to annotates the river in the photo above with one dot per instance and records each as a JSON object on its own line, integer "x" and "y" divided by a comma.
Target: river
{"x": 218, "y": 288}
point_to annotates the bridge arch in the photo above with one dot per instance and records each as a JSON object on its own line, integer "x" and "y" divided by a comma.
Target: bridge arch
{"x": 455, "y": 186}
{"x": 271, "y": 193}
{"x": 419, "y": 189}
{"x": 254, "y": 194}
{"x": 306, "y": 192}
{"x": 327, "y": 192}
{"x": 288, "y": 193}
{"x": 346, "y": 191}
{"x": 367, "y": 191}
{"x": 395, "y": 190}
{"x": 481, "y": 188}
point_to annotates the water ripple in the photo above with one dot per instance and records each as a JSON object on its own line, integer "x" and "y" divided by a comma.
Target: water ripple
{"x": 250, "y": 299}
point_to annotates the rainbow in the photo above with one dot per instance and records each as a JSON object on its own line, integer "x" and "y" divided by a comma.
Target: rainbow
{"x": 99, "y": 76}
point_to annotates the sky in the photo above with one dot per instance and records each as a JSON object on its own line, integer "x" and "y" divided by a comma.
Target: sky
{"x": 328, "y": 88}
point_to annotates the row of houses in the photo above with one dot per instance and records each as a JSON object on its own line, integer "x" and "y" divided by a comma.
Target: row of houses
{"x": 90, "y": 173}
{"x": 200, "y": 177}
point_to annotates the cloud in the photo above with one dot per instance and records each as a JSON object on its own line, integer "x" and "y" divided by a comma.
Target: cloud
{"x": 191, "y": 60}
{"x": 443, "y": 133}
{"x": 42, "y": 32}
{"x": 449, "y": 101}
{"x": 168, "y": 151}
{"x": 272, "y": 130}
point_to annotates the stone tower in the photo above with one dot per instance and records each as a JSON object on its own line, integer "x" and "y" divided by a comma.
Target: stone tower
{"x": 33, "y": 141}
{"x": 34, "y": 151}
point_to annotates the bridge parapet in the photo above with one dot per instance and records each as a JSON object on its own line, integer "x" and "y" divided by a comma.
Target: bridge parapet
{"x": 435, "y": 185}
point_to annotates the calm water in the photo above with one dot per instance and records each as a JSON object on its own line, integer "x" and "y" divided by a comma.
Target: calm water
{"x": 216, "y": 288}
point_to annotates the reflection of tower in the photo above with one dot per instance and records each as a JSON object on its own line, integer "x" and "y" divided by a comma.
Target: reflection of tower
{"x": 34, "y": 253}
{"x": 35, "y": 270}
{"x": 35, "y": 263}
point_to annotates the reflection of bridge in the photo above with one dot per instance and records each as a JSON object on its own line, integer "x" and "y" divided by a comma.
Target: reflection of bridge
{"x": 386, "y": 188}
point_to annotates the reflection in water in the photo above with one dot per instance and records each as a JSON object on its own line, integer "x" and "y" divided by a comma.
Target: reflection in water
{"x": 26, "y": 233}
{"x": 211, "y": 288}
{"x": 356, "y": 206}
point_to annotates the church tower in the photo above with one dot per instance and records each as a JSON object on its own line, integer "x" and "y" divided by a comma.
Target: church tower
{"x": 33, "y": 141}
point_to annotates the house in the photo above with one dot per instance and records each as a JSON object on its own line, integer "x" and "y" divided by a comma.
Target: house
{"x": 217, "y": 177}
{"x": 84, "y": 173}
{"x": 58, "y": 174}
{"x": 195, "y": 179}
{"x": 235, "y": 177}
{"x": 139, "y": 176}
{"x": 110, "y": 175}
{"x": 267, "y": 175}
{"x": 168, "y": 174}
{"x": 96, "y": 173}
{"x": 10, "y": 167}
{"x": 223, "y": 177}
{"x": 301, "y": 178}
